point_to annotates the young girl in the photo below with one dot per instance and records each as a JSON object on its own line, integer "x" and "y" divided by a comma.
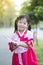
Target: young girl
{"x": 23, "y": 53}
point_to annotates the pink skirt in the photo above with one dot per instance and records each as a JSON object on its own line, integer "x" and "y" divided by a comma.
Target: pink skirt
{"x": 28, "y": 58}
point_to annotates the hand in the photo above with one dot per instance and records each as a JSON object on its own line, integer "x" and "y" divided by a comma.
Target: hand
{"x": 15, "y": 44}
{"x": 12, "y": 46}
{"x": 23, "y": 44}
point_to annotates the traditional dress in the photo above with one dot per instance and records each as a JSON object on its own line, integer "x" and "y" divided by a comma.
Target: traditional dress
{"x": 21, "y": 55}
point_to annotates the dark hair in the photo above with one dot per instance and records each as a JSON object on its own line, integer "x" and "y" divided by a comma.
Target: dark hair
{"x": 20, "y": 17}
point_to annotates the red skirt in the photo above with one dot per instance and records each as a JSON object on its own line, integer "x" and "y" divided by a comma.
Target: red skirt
{"x": 28, "y": 58}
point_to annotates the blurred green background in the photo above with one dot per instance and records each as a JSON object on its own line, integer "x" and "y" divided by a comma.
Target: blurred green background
{"x": 9, "y": 11}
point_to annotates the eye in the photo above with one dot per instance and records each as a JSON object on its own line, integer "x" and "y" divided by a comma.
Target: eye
{"x": 20, "y": 22}
{"x": 24, "y": 23}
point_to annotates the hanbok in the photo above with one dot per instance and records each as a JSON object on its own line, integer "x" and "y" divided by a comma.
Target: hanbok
{"x": 21, "y": 55}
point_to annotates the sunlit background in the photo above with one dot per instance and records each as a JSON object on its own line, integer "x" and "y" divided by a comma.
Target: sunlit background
{"x": 18, "y": 4}
{"x": 9, "y": 11}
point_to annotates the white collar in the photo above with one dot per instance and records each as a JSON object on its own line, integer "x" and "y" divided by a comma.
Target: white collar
{"x": 22, "y": 33}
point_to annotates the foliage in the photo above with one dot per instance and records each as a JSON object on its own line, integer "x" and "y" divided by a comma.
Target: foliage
{"x": 39, "y": 51}
{"x": 34, "y": 8}
{"x": 7, "y": 12}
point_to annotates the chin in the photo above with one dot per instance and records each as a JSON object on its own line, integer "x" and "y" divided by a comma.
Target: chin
{"x": 21, "y": 29}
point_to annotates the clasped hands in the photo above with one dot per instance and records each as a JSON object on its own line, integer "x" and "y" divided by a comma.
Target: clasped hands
{"x": 14, "y": 44}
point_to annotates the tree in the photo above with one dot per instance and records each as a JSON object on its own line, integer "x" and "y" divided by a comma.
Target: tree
{"x": 33, "y": 6}
{"x": 6, "y": 9}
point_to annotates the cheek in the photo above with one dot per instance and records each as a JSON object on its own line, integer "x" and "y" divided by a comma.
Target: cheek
{"x": 23, "y": 26}
{"x": 18, "y": 25}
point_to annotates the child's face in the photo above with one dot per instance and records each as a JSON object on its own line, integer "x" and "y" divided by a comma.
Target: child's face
{"x": 22, "y": 24}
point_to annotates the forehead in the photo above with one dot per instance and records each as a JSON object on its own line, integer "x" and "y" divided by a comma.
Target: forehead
{"x": 22, "y": 20}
